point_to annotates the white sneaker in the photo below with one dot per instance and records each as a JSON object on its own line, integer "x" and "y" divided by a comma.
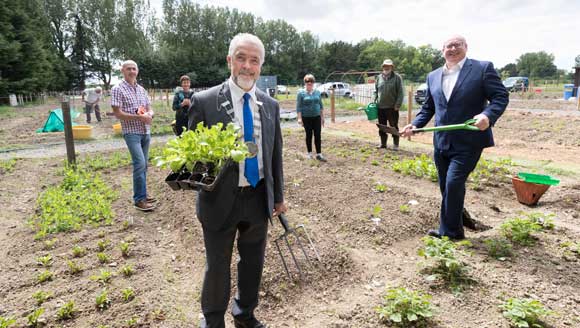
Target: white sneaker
{"x": 309, "y": 156}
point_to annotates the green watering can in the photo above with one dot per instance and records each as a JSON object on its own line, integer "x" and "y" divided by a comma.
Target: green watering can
{"x": 372, "y": 111}
{"x": 467, "y": 125}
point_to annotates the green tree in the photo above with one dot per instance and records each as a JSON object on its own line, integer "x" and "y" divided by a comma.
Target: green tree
{"x": 536, "y": 65}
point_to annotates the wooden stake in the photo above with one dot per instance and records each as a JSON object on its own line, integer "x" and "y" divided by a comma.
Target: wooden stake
{"x": 331, "y": 105}
{"x": 167, "y": 97}
{"x": 409, "y": 107}
{"x": 68, "y": 136}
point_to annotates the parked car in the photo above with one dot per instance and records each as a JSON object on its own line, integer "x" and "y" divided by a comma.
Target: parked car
{"x": 421, "y": 93}
{"x": 341, "y": 89}
{"x": 516, "y": 83}
{"x": 282, "y": 89}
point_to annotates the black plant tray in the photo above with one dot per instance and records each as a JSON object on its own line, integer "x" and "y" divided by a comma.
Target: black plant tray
{"x": 199, "y": 179}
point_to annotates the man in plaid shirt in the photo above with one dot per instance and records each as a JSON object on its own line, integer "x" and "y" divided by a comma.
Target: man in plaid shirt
{"x": 132, "y": 107}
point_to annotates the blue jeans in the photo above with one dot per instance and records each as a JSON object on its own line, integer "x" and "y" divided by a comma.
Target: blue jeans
{"x": 138, "y": 145}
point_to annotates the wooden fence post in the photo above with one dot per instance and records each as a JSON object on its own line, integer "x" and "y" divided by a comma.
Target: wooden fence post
{"x": 167, "y": 96}
{"x": 68, "y": 137}
{"x": 332, "y": 111}
{"x": 409, "y": 107}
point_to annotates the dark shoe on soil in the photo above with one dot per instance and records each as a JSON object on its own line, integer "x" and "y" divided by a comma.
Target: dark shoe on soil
{"x": 382, "y": 147}
{"x": 468, "y": 221}
{"x": 144, "y": 205}
{"x": 435, "y": 233}
{"x": 320, "y": 158}
{"x": 396, "y": 147}
{"x": 250, "y": 323}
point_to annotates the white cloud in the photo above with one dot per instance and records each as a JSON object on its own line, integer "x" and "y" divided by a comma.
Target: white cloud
{"x": 499, "y": 31}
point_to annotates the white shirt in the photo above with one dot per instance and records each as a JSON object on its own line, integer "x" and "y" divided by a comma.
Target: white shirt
{"x": 238, "y": 104}
{"x": 450, "y": 75}
{"x": 91, "y": 95}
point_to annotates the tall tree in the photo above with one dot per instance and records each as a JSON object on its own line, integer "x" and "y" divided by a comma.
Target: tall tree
{"x": 536, "y": 65}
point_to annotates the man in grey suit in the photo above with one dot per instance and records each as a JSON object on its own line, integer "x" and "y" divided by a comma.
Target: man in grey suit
{"x": 247, "y": 193}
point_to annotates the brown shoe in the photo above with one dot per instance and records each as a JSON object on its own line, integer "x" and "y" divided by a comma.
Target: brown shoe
{"x": 144, "y": 205}
{"x": 151, "y": 199}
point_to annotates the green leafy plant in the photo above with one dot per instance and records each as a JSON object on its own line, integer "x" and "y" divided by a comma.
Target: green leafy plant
{"x": 128, "y": 294}
{"x": 79, "y": 251}
{"x": 7, "y": 166}
{"x": 447, "y": 266}
{"x": 125, "y": 248}
{"x": 41, "y": 296}
{"x": 127, "y": 270}
{"x": 131, "y": 322}
{"x": 421, "y": 166}
{"x": 519, "y": 230}
{"x": 49, "y": 244}
{"x": 103, "y": 258}
{"x": 379, "y": 187}
{"x": 404, "y": 307}
{"x": 405, "y": 209}
{"x": 104, "y": 277}
{"x": 80, "y": 199}
{"x": 45, "y": 261}
{"x": 499, "y": 248}
{"x": 34, "y": 316}
{"x": 524, "y": 312}
{"x": 214, "y": 144}
{"x": 103, "y": 244}
{"x": 74, "y": 267}
{"x": 67, "y": 311}
{"x": 6, "y": 322}
{"x": 376, "y": 211}
{"x": 102, "y": 301}
{"x": 545, "y": 221}
{"x": 45, "y": 276}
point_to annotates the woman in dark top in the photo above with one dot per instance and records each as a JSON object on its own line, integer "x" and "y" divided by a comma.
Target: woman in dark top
{"x": 181, "y": 103}
{"x": 311, "y": 115}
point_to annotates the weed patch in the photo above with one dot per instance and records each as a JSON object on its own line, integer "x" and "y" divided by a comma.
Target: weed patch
{"x": 405, "y": 307}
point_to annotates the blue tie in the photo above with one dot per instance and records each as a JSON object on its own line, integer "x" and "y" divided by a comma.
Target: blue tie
{"x": 251, "y": 169}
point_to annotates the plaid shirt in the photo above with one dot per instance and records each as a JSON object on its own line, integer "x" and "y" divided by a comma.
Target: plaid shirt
{"x": 129, "y": 98}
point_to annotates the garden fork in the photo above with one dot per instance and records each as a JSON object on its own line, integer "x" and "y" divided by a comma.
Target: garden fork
{"x": 290, "y": 237}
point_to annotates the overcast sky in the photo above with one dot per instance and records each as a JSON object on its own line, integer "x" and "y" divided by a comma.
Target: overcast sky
{"x": 496, "y": 30}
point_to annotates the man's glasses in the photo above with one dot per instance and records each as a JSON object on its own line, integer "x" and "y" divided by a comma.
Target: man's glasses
{"x": 308, "y": 81}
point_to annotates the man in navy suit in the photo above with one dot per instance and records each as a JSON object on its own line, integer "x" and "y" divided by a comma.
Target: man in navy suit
{"x": 460, "y": 90}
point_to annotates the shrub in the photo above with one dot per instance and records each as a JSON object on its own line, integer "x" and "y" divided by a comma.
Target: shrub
{"x": 499, "y": 248}
{"x": 524, "y": 312}
{"x": 519, "y": 230}
{"x": 444, "y": 253}
{"x": 403, "y": 307}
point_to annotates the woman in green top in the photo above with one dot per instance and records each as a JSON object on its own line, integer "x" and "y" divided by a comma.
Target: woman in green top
{"x": 311, "y": 115}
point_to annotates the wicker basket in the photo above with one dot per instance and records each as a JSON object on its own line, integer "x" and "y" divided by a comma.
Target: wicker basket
{"x": 528, "y": 193}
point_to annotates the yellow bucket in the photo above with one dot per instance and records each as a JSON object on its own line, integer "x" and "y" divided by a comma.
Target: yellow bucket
{"x": 82, "y": 132}
{"x": 117, "y": 128}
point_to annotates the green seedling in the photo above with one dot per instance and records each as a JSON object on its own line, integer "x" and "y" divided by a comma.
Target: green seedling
{"x": 447, "y": 266}
{"x": 103, "y": 258}
{"x": 127, "y": 270}
{"x": 34, "y": 316}
{"x": 545, "y": 221}
{"x": 499, "y": 248}
{"x": 376, "y": 211}
{"x": 379, "y": 187}
{"x": 79, "y": 251}
{"x": 104, "y": 277}
{"x": 375, "y": 162}
{"x": 41, "y": 297}
{"x": 519, "y": 230}
{"x": 45, "y": 276}
{"x": 102, "y": 301}
{"x": 524, "y": 312}
{"x": 125, "y": 250}
{"x": 132, "y": 322}
{"x": 74, "y": 267}
{"x": 128, "y": 294}
{"x": 103, "y": 244}
{"x": 45, "y": 261}
{"x": 67, "y": 311}
{"x": 50, "y": 244}
{"x": 102, "y": 234}
{"x": 6, "y": 322}
{"x": 405, "y": 307}
{"x": 405, "y": 209}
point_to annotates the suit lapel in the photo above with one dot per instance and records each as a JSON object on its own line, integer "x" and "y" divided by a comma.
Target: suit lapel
{"x": 225, "y": 103}
{"x": 465, "y": 70}
{"x": 437, "y": 85}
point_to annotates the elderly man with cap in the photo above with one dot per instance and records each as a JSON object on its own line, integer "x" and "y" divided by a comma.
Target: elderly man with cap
{"x": 389, "y": 97}
{"x": 91, "y": 98}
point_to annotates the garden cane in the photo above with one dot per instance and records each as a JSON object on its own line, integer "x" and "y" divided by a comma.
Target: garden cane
{"x": 467, "y": 125}
{"x": 285, "y": 238}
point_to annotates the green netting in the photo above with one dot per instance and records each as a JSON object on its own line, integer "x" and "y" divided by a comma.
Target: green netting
{"x": 55, "y": 122}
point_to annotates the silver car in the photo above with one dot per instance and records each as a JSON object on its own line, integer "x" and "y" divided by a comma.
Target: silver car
{"x": 341, "y": 89}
